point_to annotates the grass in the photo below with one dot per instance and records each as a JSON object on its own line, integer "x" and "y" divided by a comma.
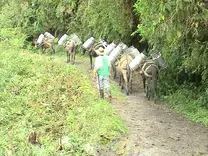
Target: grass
{"x": 182, "y": 101}
{"x": 43, "y": 94}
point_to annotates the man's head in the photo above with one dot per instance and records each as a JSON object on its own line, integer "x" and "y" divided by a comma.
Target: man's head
{"x": 100, "y": 51}
{"x": 36, "y": 44}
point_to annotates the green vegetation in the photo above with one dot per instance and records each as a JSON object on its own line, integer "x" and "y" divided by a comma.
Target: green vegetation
{"x": 40, "y": 93}
{"x": 182, "y": 101}
{"x": 110, "y": 19}
{"x": 178, "y": 29}
{"x": 44, "y": 95}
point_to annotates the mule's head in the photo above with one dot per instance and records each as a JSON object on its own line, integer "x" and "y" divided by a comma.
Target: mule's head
{"x": 35, "y": 43}
{"x": 83, "y": 51}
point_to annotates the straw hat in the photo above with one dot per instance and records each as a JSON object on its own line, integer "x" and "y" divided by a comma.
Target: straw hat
{"x": 100, "y": 51}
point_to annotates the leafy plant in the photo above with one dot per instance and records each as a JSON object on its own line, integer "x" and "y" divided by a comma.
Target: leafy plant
{"x": 178, "y": 29}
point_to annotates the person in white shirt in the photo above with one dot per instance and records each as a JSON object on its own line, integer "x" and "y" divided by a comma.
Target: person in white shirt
{"x": 102, "y": 73}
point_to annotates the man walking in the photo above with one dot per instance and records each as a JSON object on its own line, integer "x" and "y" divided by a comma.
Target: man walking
{"x": 102, "y": 73}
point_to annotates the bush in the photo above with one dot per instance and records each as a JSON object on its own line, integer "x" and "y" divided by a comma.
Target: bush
{"x": 12, "y": 38}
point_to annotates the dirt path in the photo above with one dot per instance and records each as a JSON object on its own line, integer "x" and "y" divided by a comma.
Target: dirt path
{"x": 155, "y": 130}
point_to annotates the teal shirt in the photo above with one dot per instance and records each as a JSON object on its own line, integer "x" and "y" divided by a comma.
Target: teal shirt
{"x": 104, "y": 70}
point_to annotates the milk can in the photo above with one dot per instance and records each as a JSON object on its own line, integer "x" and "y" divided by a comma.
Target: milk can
{"x": 62, "y": 39}
{"x": 157, "y": 57}
{"x": 133, "y": 51}
{"x": 115, "y": 53}
{"x": 48, "y": 35}
{"x": 76, "y": 39}
{"x": 103, "y": 42}
{"x": 123, "y": 46}
{"x": 110, "y": 48}
{"x": 40, "y": 39}
{"x": 87, "y": 44}
{"x": 134, "y": 64}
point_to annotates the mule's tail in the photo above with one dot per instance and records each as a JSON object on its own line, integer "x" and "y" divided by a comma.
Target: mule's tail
{"x": 53, "y": 47}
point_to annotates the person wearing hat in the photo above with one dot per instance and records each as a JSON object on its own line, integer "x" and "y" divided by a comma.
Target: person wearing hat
{"x": 102, "y": 73}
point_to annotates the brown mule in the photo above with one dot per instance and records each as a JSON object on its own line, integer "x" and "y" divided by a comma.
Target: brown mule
{"x": 125, "y": 74}
{"x": 47, "y": 43}
{"x": 92, "y": 53}
{"x": 70, "y": 48}
{"x": 149, "y": 72}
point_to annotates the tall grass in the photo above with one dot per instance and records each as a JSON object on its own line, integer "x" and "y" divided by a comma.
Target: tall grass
{"x": 183, "y": 102}
{"x": 44, "y": 95}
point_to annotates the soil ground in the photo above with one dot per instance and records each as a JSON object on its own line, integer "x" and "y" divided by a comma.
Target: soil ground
{"x": 155, "y": 129}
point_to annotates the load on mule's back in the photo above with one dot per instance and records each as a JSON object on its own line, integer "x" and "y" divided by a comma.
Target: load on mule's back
{"x": 91, "y": 46}
{"x": 125, "y": 75}
{"x": 126, "y": 66}
{"x": 70, "y": 48}
{"x": 69, "y": 43}
{"x": 149, "y": 72}
{"x": 45, "y": 41}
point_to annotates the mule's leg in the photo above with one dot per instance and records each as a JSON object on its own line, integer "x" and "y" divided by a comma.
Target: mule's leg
{"x": 73, "y": 57}
{"x": 43, "y": 50}
{"x": 125, "y": 77}
{"x": 130, "y": 81}
{"x": 83, "y": 51}
{"x": 154, "y": 90}
{"x": 148, "y": 88}
{"x": 69, "y": 54}
{"x": 90, "y": 55}
{"x": 114, "y": 71}
{"x": 144, "y": 81}
{"x": 52, "y": 49}
{"x": 74, "y": 54}
{"x": 113, "y": 67}
{"x": 154, "y": 83}
{"x": 121, "y": 81}
{"x": 68, "y": 57}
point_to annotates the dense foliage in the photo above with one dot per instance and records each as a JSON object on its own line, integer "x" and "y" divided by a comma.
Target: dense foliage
{"x": 108, "y": 19}
{"x": 178, "y": 28}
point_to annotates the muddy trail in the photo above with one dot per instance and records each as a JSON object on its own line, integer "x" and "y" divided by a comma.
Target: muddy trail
{"x": 154, "y": 129}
